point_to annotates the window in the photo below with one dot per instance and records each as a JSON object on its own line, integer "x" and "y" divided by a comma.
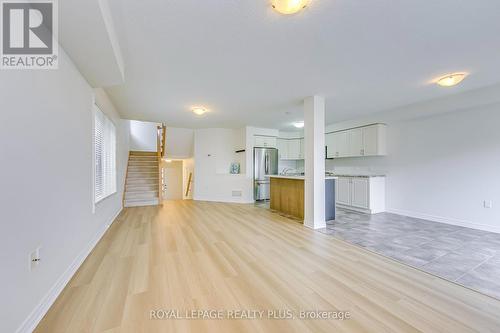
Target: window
{"x": 104, "y": 156}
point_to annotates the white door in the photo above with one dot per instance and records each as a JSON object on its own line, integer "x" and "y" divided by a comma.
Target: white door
{"x": 360, "y": 192}
{"x": 344, "y": 191}
{"x": 370, "y": 140}
{"x": 356, "y": 142}
{"x": 172, "y": 180}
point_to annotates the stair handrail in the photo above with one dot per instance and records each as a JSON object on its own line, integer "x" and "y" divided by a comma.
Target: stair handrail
{"x": 163, "y": 140}
{"x": 159, "y": 152}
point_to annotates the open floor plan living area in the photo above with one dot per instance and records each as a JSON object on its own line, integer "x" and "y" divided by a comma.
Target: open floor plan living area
{"x": 250, "y": 166}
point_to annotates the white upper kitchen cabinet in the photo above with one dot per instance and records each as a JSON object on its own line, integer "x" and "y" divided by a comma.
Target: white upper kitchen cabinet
{"x": 293, "y": 149}
{"x": 290, "y": 149}
{"x": 340, "y": 147}
{"x": 374, "y": 140}
{"x": 355, "y": 142}
{"x": 329, "y": 145}
{"x": 265, "y": 141}
{"x": 302, "y": 153}
{"x": 282, "y": 146}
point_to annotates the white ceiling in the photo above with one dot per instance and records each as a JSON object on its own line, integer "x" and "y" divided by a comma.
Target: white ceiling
{"x": 85, "y": 32}
{"x": 252, "y": 66}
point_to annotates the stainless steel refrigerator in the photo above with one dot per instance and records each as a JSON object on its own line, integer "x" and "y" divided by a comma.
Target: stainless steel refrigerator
{"x": 265, "y": 162}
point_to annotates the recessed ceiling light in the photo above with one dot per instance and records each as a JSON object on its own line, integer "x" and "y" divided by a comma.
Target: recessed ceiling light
{"x": 289, "y": 6}
{"x": 299, "y": 124}
{"x": 451, "y": 80}
{"x": 198, "y": 110}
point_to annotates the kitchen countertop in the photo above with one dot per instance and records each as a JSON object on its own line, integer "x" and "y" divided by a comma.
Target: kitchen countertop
{"x": 297, "y": 177}
{"x": 336, "y": 176}
{"x": 358, "y": 175}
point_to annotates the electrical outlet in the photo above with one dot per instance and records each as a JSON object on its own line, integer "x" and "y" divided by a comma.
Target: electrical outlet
{"x": 35, "y": 259}
{"x": 488, "y": 204}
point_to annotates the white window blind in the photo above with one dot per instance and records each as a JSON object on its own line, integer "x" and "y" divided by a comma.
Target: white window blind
{"x": 104, "y": 156}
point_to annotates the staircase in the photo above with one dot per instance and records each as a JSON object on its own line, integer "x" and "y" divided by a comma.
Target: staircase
{"x": 142, "y": 184}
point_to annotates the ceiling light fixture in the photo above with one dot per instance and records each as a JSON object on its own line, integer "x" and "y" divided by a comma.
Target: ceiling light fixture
{"x": 289, "y": 6}
{"x": 451, "y": 80}
{"x": 168, "y": 161}
{"x": 299, "y": 124}
{"x": 198, "y": 110}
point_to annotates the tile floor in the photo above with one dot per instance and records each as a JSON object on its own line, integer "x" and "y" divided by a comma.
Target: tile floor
{"x": 465, "y": 256}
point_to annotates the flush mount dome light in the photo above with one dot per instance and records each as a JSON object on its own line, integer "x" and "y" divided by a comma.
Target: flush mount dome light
{"x": 289, "y": 6}
{"x": 198, "y": 110}
{"x": 451, "y": 80}
{"x": 299, "y": 124}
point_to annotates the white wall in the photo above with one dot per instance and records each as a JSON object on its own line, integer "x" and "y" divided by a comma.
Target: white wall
{"x": 179, "y": 143}
{"x": 46, "y": 123}
{"x": 214, "y": 150}
{"x": 143, "y": 135}
{"x": 443, "y": 161}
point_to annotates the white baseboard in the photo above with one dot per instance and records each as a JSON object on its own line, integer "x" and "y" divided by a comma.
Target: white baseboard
{"x": 228, "y": 200}
{"x": 31, "y": 322}
{"x": 447, "y": 220}
{"x": 361, "y": 210}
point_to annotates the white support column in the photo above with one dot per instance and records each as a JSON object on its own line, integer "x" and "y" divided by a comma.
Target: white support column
{"x": 314, "y": 166}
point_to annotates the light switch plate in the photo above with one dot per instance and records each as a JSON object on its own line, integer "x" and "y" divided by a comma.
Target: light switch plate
{"x": 34, "y": 258}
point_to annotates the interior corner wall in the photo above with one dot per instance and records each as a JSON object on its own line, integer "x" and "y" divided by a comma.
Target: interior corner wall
{"x": 214, "y": 150}
{"x": 179, "y": 143}
{"x": 143, "y": 135}
{"x": 440, "y": 167}
{"x": 46, "y": 176}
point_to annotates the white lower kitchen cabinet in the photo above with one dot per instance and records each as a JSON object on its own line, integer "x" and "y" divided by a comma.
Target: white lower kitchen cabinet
{"x": 343, "y": 191}
{"x": 364, "y": 194}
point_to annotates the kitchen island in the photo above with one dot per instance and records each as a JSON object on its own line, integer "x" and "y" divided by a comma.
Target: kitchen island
{"x": 287, "y": 196}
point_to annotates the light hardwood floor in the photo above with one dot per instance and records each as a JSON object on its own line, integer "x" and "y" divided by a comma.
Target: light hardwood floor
{"x": 198, "y": 255}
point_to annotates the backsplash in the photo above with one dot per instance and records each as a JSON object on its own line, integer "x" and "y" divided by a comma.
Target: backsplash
{"x": 368, "y": 165}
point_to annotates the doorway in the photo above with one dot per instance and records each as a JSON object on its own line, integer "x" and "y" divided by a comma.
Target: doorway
{"x": 172, "y": 180}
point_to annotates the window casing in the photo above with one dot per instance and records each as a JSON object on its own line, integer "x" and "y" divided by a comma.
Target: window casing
{"x": 104, "y": 156}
